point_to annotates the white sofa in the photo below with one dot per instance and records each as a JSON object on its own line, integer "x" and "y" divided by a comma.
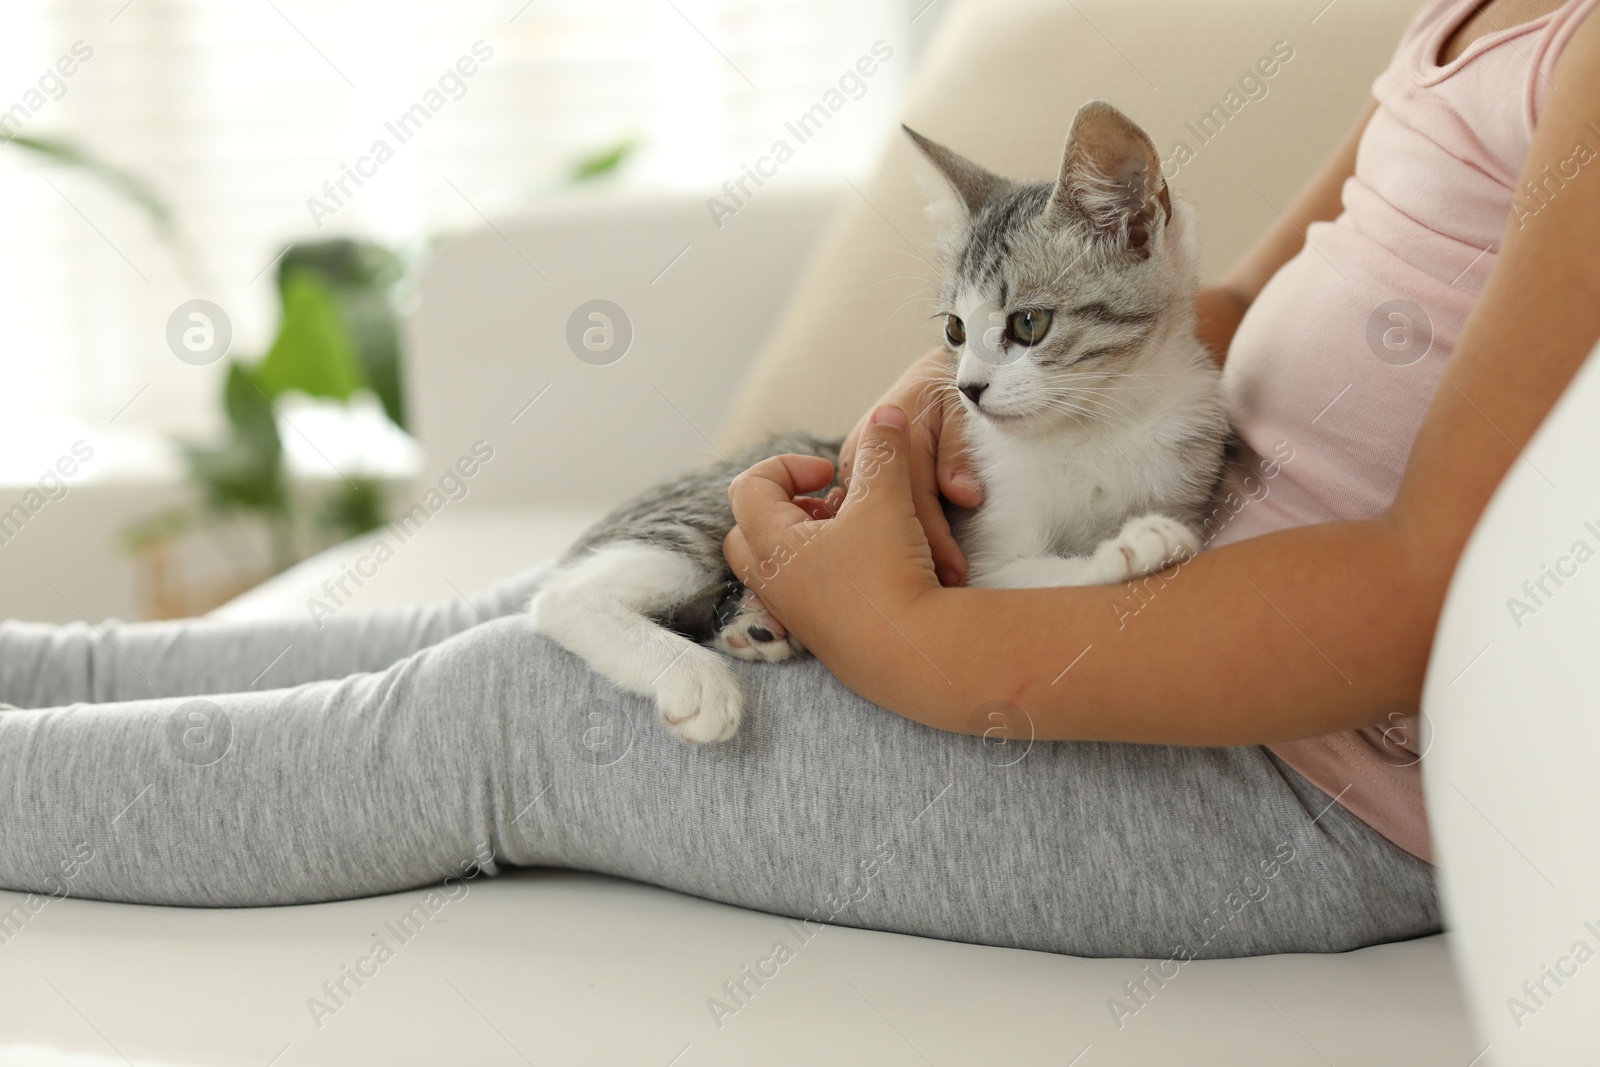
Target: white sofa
{"x": 556, "y": 967}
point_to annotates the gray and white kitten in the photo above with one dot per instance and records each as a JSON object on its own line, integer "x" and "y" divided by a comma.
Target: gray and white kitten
{"x": 1092, "y": 412}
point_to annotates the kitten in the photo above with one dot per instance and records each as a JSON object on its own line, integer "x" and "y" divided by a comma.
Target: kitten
{"x": 1092, "y": 412}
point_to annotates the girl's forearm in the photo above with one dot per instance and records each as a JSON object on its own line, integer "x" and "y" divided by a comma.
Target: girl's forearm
{"x": 1295, "y": 634}
{"x": 1217, "y": 314}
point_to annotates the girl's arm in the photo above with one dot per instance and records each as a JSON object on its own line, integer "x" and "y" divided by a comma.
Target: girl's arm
{"x": 1297, "y": 633}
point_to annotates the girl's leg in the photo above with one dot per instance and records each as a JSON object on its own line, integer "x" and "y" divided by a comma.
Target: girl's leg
{"x": 496, "y": 747}
{"x": 43, "y": 665}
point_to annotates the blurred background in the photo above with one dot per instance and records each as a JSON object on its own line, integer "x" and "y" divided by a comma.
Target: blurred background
{"x": 159, "y": 152}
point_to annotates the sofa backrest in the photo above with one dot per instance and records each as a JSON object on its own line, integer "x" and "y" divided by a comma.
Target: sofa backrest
{"x": 489, "y": 357}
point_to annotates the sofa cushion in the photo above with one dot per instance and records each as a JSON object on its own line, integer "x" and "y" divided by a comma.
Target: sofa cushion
{"x": 458, "y": 551}
{"x": 564, "y": 968}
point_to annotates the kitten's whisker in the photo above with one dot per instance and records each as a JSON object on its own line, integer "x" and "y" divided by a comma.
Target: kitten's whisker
{"x": 1057, "y": 404}
{"x": 904, "y": 303}
{"x": 1119, "y": 375}
{"x": 1083, "y": 404}
{"x": 1092, "y": 396}
{"x": 899, "y": 250}
{"x": 921, "y": 293}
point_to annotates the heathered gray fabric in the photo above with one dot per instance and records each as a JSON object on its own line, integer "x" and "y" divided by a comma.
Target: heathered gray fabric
{"x": 473, "y": 737}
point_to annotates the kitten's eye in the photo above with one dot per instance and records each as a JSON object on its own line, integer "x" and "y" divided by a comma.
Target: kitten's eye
{"x": 955, "y": 331}
{"x": 1028, "y": 327}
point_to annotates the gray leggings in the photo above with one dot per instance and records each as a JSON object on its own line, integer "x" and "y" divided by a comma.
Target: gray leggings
{"x": 235, "y": 764}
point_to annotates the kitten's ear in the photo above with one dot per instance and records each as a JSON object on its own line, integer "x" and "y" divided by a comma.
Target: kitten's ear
{"x": 972, "y": 184}
{"x": 1111, "y": 177}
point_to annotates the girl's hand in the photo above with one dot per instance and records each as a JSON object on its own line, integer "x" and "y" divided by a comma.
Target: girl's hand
{"x": 1218, "y": 311}
{"x": 835, "y": 580}
{"x": 938, "y": 459}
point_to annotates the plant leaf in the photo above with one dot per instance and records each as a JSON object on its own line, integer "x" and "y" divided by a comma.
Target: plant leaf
{"x": 245, "y": 470}
{"x": 312, "y": 352}
{"x": 129, "y": 184}
{"x": 359, "y": 275}
{"x": 251, "y": 418}
{"x": 603, "y": 161}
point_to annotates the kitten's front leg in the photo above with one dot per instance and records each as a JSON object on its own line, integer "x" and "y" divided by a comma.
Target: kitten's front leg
{"x": 1145, "y": 543}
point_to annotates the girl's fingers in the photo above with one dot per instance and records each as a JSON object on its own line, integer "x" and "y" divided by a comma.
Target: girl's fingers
{"x": 847, "y": 451}
{"x": 957, "y": 478}
{"x": 763, "y": 497}
{"x": 884, "y": 464}
{"x": 736, "y": 550}
{"x": 948, "y": 561}
{"x": 815, "y": 507}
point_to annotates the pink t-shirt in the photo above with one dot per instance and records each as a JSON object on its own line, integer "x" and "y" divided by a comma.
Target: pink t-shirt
{"x": 1337, "y": 360}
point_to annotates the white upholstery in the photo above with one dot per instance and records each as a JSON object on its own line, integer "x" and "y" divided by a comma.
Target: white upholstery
{"x": 488, "y": 335}
{"x": 556, "y": 968}
{"x": 1514, "y": 744}
{"x": 457, "y": 553}
{"x": 576, "y": 969}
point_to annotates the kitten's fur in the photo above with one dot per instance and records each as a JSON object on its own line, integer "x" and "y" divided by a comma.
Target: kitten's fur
{"x": 1098, "y": 445}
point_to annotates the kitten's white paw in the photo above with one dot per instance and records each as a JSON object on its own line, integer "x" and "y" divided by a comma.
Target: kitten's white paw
{"x": 1146, "y": 543}
{"x": 755, "y": 634}
{"x": 699, "y": 698}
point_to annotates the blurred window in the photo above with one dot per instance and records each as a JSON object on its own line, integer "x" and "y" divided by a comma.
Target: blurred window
{"x": 245, "y": 115}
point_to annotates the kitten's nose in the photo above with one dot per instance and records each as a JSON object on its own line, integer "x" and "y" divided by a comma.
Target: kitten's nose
{"x": 973, "y": 392}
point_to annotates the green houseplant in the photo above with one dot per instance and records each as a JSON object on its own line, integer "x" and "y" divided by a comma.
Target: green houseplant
{"x": 338, "y": 335}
